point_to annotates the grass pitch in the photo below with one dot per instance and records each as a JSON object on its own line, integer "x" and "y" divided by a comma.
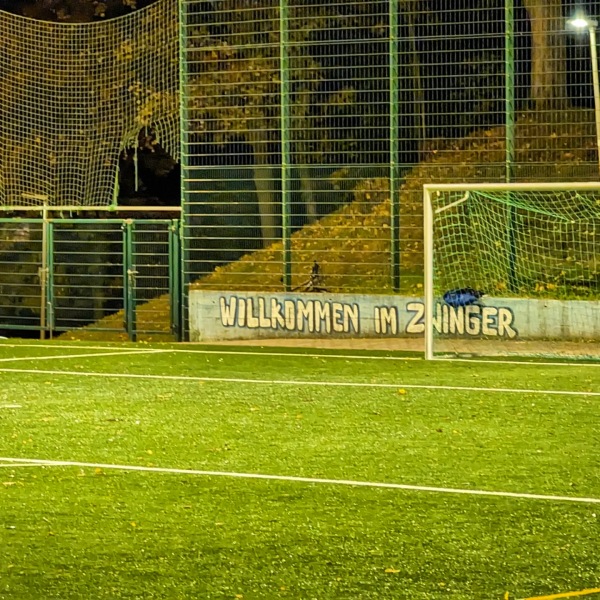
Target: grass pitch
{"x": 92, "y": 531}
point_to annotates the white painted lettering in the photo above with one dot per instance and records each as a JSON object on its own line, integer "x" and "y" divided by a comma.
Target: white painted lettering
{"x": 445, "y": 318}
{"x": 319, "y": 316}
{"x": 322, "y": 316}
{"x": 241, "y": 314}
{"x": 488, "y": 320}
{"x": 437, "y": 318}
{"x": 337, "y": 313}
{"x": 416, "y": 323}
{"x": 251, "y": 318}
{"x": 228, "y": 311}
{"x": 473, "y": 319}
{"x": 263, "y": 321}
{"x": 505, "y": 321}
{"x": 389, "y": 320}
{"x": 289, "y": 310}
{"x": 306, "y": 314}
{"x": 352, "y": 318}
{"x": 457, "y": 320}
{"x": 277, "y": 320}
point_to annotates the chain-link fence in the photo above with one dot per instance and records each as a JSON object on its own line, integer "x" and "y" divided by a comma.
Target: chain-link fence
{"x": 117, "y": 278}
{"x": 309, "y": 128}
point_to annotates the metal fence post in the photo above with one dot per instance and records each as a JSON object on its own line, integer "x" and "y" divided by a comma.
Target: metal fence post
{"x": 50, "y": 277}
{"x": 394, "y": 146}
{"x": 175, "y": 279}
{"x": 185, "y": 138}
{"x": 284, "y": 40}
{"x": 129, "y": 274}
{"x": 509, "y": 60}
{"x": 43, "y": 275}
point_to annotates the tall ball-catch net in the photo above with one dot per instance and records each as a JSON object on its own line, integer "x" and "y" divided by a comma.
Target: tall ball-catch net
{"x": 513, "y": 269}
{"x": 74, "y": 96}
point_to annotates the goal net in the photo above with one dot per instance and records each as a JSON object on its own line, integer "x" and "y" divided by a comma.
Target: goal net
{"x": 512, "y": 269}
{"x": 74, "y": 96}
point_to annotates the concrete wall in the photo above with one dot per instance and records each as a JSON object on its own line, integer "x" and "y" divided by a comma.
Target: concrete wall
{"x": 238, "y": 315}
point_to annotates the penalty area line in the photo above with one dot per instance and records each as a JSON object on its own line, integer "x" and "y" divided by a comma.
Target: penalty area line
{"x": 53, "y": 345}
{"x": 259, "y": 353}
{"x": 397, "y": 358}
{"x": 347, "y": 384}
{"x": 88, "y": 355}
{"x": 21, "y": 466}
{"x": 566, "y": 595}
{"x": 525, "y": 361}
{"x": 217, "y": 352}
{"x": 310, "y": 480}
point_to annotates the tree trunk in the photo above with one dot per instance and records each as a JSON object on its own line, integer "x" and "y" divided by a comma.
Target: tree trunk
{"x": 307, "y": 186}
{"x": 548, "y": 54}
{"x": 267, "y": 195}
{"x": 419, "y": 115}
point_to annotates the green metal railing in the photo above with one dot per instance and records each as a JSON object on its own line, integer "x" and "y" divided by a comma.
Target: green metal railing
{"x": 20, "y": 274}
{"x": 104, "y": 275}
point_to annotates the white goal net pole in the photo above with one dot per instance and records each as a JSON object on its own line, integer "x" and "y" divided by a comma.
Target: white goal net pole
{"x": 428, "y": 270}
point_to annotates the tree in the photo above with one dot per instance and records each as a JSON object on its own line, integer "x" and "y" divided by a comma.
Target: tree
{"x": 237, "y": 88}
{"x": 72, "y": 11}
{"x": 548, "y": 54}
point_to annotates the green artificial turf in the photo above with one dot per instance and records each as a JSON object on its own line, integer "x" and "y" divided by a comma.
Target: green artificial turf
{"x": 95, "y": 532}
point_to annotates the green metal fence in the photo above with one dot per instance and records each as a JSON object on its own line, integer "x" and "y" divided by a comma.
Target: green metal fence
{"x": 107, "y": 275}
{"x": 20, "y": 275}
{"x": 309, "y": 128}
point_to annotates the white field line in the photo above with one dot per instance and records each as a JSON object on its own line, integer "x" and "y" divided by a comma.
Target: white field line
{"x": 575, "y": 594}
{"x": 456, "y": 388}
{"x": 491, "y": 361}
{"x": 21, "y": 466}
{"x": 533, "y": 362}
{"x": 316, "y": 480}
{"x": 296, "y": 354}
{"x": 88, "y": 355}
{"x": 56, "y": 345}
{"x": 257, "y": 353}
{"x": 224, "y": 352}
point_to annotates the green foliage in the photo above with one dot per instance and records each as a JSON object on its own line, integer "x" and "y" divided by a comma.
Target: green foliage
{"x": 73, "y": 11}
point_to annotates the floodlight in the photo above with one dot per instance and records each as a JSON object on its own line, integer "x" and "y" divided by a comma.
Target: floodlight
{"x": 581, "y": 21}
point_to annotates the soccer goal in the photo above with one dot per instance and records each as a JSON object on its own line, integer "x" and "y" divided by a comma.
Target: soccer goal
{"x": 512, "y": 269}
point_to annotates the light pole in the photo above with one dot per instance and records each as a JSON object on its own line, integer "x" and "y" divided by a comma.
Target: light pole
{"x": 583, "y": 22}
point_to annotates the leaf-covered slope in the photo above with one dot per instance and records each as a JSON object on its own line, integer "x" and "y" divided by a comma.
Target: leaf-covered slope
{"x": 352, "y": 245}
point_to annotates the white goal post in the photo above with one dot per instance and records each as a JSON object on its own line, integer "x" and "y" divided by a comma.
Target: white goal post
{"x": 533, "y": 248}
